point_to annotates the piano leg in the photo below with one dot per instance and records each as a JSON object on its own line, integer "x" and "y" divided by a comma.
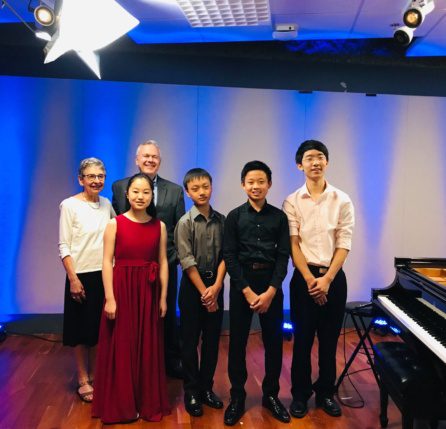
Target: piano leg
{"x": 384, "y": 401}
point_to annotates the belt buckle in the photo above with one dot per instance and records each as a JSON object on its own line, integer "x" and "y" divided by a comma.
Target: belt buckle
{"x": 257, "y": 266}
{"x": 323, "y": 270}
{"x": 208, "y": 274}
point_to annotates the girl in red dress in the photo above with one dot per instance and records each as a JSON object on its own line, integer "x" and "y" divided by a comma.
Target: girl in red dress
{"x": 130, "y": 377}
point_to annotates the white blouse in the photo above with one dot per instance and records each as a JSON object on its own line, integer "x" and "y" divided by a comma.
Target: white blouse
{"x": 81, "y": 231}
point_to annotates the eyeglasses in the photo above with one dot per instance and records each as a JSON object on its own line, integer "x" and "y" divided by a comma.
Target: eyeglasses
{"x": 91, "y": 177}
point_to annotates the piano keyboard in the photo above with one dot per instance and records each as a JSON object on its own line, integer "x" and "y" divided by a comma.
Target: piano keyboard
{"x": 434, "y": 338}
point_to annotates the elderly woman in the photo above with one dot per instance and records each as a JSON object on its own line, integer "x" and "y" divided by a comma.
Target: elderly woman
{"x": 83, "y": 218}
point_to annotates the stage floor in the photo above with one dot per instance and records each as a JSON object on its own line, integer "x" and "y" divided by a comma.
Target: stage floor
{"x": 37, "y": 390}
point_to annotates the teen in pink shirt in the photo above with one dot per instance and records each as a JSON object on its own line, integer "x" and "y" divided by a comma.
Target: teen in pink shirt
{"x": 321, "y": 220}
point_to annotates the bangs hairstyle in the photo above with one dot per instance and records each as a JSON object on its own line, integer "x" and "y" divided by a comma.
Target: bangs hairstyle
{"x": 196, "y": 173}
{"x": 88, "y": 162}
{"x": 151, "y": 210}
{"x": 256, "y": 165}
{"x": 310, "y": 145}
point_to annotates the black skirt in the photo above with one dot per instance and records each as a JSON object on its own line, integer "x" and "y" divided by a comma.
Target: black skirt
{"x": 81, "y": 320}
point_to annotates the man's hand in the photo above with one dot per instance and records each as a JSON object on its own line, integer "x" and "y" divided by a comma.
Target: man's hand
{"x": 264, "y": 301}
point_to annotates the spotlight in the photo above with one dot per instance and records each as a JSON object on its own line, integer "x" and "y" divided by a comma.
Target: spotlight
{"x": 44, "y": 15}
{"x": 403, "y": 35}
{"x": 287, "y": 329}
{"x": 417, "y": 11}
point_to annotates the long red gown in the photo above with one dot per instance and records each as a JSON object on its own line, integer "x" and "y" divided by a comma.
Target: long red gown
{"x": 130, "y": 377}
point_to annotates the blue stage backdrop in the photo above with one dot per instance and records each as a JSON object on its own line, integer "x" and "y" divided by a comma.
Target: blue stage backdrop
{"x": 387, "y": 152}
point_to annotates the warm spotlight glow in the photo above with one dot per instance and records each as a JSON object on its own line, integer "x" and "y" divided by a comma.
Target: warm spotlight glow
{"x": 44, "y": 15}
{"x": 413, "y": 18}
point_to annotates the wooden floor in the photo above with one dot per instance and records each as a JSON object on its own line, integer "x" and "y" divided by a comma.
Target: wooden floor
{"x": 37, "y": 386}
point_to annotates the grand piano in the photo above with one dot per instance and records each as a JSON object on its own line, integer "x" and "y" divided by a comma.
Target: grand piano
{"x": 416, "y": 303}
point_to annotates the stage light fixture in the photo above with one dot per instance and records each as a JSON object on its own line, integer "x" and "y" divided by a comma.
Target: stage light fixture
{"x": 417, "y": 11}
{"x": 403, "y": 35}
{"x": 44, "y": 15}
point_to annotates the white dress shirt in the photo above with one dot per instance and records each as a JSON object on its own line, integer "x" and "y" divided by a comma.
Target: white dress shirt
{"x": 322, "y": 225}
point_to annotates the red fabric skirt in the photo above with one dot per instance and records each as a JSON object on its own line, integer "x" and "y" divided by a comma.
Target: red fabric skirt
{"x": 130, "y": 377}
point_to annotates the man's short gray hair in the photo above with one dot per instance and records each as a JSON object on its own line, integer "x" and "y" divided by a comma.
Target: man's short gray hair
{"x": 147, "y": 143}
{"x": 88, "y": 162}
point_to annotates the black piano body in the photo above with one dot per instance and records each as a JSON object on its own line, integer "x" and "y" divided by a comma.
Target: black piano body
{"x": 416, "y": 303}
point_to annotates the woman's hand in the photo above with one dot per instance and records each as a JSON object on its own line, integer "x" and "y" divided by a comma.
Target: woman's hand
{"x": 77, "y": 290}
{"x": 163, "y": 307}
{"x": 110, "y": 309}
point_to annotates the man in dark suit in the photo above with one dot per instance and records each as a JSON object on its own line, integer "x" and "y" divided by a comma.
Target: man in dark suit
{"x": 169, "y": 202}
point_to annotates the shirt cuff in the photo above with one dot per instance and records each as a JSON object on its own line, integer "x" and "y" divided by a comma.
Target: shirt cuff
{"x": 187, "y": 262}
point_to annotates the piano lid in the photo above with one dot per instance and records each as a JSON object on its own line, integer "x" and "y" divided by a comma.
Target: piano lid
{"x": 428, "y": 273}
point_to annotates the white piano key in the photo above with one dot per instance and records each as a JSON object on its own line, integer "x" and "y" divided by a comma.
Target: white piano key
{"x": 414, "y": 327}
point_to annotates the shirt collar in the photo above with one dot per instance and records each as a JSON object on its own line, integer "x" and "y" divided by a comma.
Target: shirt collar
{"x": 305, "y": 193}
{"x": 249, "y": 207}
{"x": 155, "y": 180}
{"x": 196, "y": 213}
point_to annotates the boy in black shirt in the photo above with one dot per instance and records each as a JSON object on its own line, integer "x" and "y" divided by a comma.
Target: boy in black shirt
{"x": 256, "y": 250}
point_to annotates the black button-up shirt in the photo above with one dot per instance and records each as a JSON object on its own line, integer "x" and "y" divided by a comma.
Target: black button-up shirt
{"x": 252, "y": 236}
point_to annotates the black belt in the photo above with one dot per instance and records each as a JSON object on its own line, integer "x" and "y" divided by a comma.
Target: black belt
{"x": 319, "y": 269}
{"x": 259, "y": 266}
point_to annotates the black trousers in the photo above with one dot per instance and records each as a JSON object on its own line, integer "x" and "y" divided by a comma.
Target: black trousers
{"x": 171, "y": 330}
{"x": 195, "y": 320}
{"x": 240, "y": 316}
{"x": 309, "y": 319}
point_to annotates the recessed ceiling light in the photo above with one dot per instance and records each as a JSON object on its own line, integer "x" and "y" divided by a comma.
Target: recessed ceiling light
{"x": 229, "y": 13}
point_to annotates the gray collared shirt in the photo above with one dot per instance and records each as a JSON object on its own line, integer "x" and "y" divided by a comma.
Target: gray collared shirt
{"x": 199, "y": 240}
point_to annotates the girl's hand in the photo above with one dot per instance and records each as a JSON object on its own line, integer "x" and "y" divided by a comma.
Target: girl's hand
{"x": 110, "y": 309}
{"x": 163, "y": 307}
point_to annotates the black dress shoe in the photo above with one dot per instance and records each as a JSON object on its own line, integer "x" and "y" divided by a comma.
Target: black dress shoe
{"x": 175, "y": 370}
{"x": 234, "y": 412}
{"x": 209, "y": 398}
{"x": 193, "y": 405}
{"x": 298, "y": 408}
{"x": 329, "y": 405}
{"x": 276, "y": 407}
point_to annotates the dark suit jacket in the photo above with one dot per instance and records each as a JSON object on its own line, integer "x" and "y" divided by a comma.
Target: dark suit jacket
{"x": 169, "y": 207}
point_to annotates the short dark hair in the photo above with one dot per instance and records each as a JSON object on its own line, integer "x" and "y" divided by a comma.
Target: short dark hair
{"x": 151, "y": 210}
{"x": 310, "y": 145}
{"x": 256, "y": 165}
{"x": 196, "y": 173}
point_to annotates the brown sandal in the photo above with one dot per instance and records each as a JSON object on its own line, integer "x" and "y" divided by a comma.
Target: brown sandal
{"x": 85, "y": 391}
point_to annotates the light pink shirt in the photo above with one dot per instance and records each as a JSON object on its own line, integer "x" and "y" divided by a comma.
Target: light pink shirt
{"x": 322, "y": 225}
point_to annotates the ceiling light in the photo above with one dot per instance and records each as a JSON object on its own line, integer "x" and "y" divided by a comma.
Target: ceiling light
{"x": 44, "y": 15}
{"x": 228, "y": 13}
{"x": 85, "y": 33}
{"x": 403, "y": 35}
{"x": 417, "y": 11}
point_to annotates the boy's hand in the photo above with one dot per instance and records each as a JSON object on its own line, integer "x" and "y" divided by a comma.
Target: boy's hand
{"x": 212, "y": 308}
{"x": 311, "y": 282}
{"x": 320, "y": 290}
{"x": 250, "y": 296}
{"x": 264, "y": 301}
{"x": 210, "y": 296}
